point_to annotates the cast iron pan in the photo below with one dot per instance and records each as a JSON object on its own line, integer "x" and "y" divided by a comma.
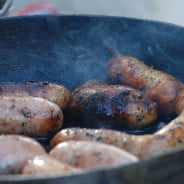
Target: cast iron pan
{"x": 70, "y": 50}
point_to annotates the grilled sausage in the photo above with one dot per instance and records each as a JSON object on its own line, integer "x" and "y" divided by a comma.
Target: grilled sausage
{"x": 51, "y": 91}
{"x": 169, "y": 138}
{"x": 111, "y": 106}
{"x": 32, "y": 116}
{"x": 44, "y": 164}
{"x": 159, "y": 86}
{"x": 84, "y": 154}
{"x": 15, "y": 151}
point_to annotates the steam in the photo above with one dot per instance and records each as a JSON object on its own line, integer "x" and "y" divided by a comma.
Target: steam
{"x": 83, "y": 53}
{"x": 72, "y": 49}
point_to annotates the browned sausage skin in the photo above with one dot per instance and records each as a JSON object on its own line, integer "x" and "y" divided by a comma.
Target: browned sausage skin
{"x": 45, "y": 164}
{"x": 51, "y": 91}
{"x": 159, "y": 86}
{"x": 32, "y": 116}
{"x": 169, "y": 138}
{"x": 87, "y": 155}
{"x": 111, "y": 106}
{"x": 15, "y": 151}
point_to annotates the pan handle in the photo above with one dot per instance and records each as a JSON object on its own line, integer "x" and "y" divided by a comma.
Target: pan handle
{"x": 4, "y": 7}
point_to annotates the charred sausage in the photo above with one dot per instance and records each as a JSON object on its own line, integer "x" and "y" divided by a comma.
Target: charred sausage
{"x": 32, "y": 116}
{"x": 51, "y": 91}
{"x": 159, "y": 86}
{"x": 169, "y": 138}
{"x": 84, "y": 154}
{"x": 111, "y": 106}
{"x": 15, "y": 151}
{"x": 45, "y": 164}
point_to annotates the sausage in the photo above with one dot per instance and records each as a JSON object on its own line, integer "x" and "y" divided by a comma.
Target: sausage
{"x": 51, "y": 91}
{"x": 32, "y": 116}
{"x": 111, "y": 106}
{"x": 169, "y": 138}
{"x": 45, "y": 164}
{"x": 15, "y": 151}
{"x": 87, "y": 155}
{"x": 159, "y": 86}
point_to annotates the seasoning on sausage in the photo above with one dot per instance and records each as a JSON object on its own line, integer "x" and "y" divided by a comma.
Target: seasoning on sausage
{"x": 32, "y": 116}
{"x": 111, "y": 106}
{"x": 169, "y": 138}
{"x": 53, "y": 92}
{"x": 159, "y": 86}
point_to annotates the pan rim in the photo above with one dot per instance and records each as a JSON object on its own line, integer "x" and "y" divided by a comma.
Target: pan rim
{"x": 18, "y": 178}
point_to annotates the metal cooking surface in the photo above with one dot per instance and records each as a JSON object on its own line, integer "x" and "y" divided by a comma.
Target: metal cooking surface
{"x": 71, "y": 49}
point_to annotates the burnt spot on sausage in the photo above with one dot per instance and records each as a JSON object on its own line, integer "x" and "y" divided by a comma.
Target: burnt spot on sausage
{"x": 26, "y": 112}
{"x": 54, "y": 117}
{"x": 119, "y": 77}
{"x": 179, "y": 123}
{"x": 109, "y": 106}
{"x": 89, "y": 134}
{"x": 180, "y": 141}
{"x": 139, "y": 117}
{"x": 99, "y": 138}
{"x": 13, "y": 106}
{"x": 142, "y": 88}
{"x": 23, "y": 124}
{"x": 148, "y": 109}
{"x": 145, "y": 102}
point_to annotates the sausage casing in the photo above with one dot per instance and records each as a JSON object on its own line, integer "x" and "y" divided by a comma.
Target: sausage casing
{"x": 111, "y": 106}
{"x": 51, "y": 91}
{"x": 32, "y": 116}
{"x": 159, "y": 86}
{"x": 169, "y": 138}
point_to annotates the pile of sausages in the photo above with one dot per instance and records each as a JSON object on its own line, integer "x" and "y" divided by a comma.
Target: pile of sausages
{"x": 136, "y": 97}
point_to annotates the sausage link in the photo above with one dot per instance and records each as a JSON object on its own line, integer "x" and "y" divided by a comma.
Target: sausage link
{"x": 32, "y": 116}
{"x": 51, "y": 91}
{"x": 169, "y": 138}
{"x": 87, "y": 155}
{"x": 15, "y": 151}
{"x": 111, "y": 106}
{"x": 159, "y": 86}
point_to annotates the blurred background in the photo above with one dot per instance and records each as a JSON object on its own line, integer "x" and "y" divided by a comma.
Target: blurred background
{"x": 163, "y": 10}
